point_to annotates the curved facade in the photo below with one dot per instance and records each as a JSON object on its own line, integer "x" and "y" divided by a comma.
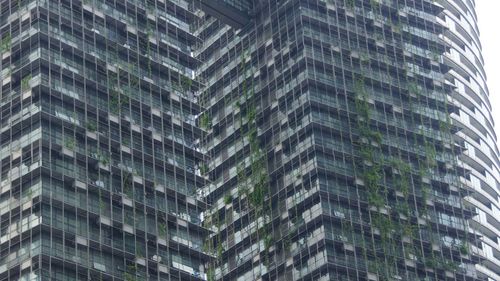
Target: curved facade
{"x": 477, "y": 134}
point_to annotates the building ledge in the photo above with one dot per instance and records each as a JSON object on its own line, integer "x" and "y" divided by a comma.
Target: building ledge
{"x": 226, "y": 12}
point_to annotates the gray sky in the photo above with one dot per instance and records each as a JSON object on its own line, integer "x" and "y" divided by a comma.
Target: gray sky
{"x": 489, "y": 26}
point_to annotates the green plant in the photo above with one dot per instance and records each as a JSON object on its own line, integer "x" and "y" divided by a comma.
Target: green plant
{"x": 375, "y": 199}
{"x": 25, "y": 83}
{"x": 251, "y": 114}
{"x": 376, "y": 137}
{"x": 5, "y": 44}
{"x": 396, "y": 27}
{"x": 210, "y": 274}
{"x": 286, "y": 243}
{"x": 430, "y": 153}
{"x": 162, "y": 229}
{"x": 436, "y": 55}
{"x": 149, "y": 33}
{"x": 403, "y": 209}
{"x": 384, "y": 224}
{"x": 91, "y": 126}
{"x": 186, "y": 83}
{"x": 431, "y": 262}
{"x": 124, "y": 100}
{"x": 371, "y": 177}
{"x": 203, "y": 169}
{"x": 350, "y": 4}
{"x": 444, "y": 126}
{"x": 102, "y": 205}
{"x": 413, "y": 87}
{"x": 268, "y": 241}
{"x": 364, "y": 57}
{"x": 139, "y": 252}
{"x": 205, "y": 122}
{"x": 113, "y": 79}
{"x": 130, "y": 274}
{"x": 114, "y": 102}
{"x": 464, "y": 248}
{"x": 103, "y": 159}
{"x": 127, "y": 185}
{"x": 228, "y": 199}
{"x": 257, "y": 197}
{"x": 359, "y": 84}
{"x": 220, "y": 249}
{"x": 401, "y": 183}
{"x": 134, "y": 81}
{"x": 69, "y": 143}
{"x": 450, "y": 265}
{"x": 126, "y": 141}
{"x": 207, "y": 247}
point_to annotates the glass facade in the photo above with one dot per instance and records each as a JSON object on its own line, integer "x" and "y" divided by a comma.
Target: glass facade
{"x": 245, "y": 140}
{"x": 98, "y": 142}
{"x": 333, "y": 144}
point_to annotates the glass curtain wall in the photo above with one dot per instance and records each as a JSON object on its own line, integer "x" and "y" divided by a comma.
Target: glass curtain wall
{"x": 98, "y": 141}
{"x": 332, "y": 152}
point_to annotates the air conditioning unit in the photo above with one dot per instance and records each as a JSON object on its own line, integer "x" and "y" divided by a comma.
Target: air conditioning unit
{"x": 340, "y": 237}
{"x": 99, "y": 183}
{"x": 339, "y": 214}
{"x": 99, "y": 266}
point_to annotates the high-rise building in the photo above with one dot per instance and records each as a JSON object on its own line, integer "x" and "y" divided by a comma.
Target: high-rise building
{"x": 348, "y": 140}
{"x": 98, "y": 141}
{"x": 245, "y": 140}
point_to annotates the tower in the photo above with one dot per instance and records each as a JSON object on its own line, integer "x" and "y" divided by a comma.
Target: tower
{"x": 334, "y": 151}
{"x": 245, "y": 140}
{"x": 98, "y": 139}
